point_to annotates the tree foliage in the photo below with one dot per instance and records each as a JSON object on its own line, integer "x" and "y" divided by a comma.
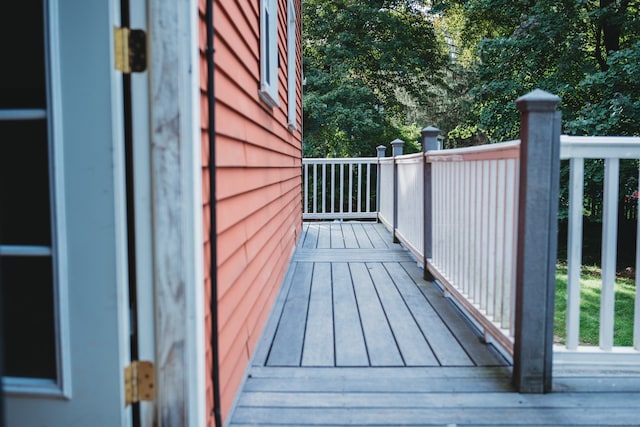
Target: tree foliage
{"x": 585, "y": 51}
{"x": 366, "y": 64}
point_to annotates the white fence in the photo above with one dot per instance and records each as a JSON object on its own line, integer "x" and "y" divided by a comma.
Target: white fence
{"x": 474, "y": 209}
{"x": 458, "y": 212}
{"x": 387, "y": 192}
{"x": 611, "y": 150}
{"x": 410, "y": 201}
{"x": 340, "y": 188}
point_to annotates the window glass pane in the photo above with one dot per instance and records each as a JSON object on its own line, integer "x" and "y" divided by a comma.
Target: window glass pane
{"x": 28, "y": 317}
{"x": 22, "y": 75}
{"x": 24, "y": 184}
{"x": 267, "y": 58}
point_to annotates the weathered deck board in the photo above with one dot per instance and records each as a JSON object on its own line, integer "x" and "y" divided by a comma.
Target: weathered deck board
{"x": 383, "y": 350}
{"x": 358, "y": 338}
{"x": 384, "y": 307}
{"x": 288, "y": 339}
{"x": 413, "y": 346}
{"x": 443, "y": 343}
{"x": 350, "y": 346}
{"x": 363, "y": 239}
{"x": 309, "y": 237}
{"x": 318, "y": 340}
{"x": 350, "y": 240}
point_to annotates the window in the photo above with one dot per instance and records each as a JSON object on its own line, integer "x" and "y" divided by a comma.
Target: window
{"x": 269, "y": 52}
{"x": 291, "y": 66}
{"x": 29, "y": 268}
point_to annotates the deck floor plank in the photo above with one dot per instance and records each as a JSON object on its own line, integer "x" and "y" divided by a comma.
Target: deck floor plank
{"x": 376, "y": 240}
{"x": 324, "y": 237}
{"x": 443, "y": 343}
{"x": 350, "y": 240}
{"x": 310, "y": 235}
{"x": 337, "y": 239}
{"x": 383, "y": 350}
{"x": 287, "y": 342}
{"x": 350, "y": 336}
{"x": 413, "y": 346}
{"x": 318, "y": 341}
{"x": 479, "y": 352}
{"x": 361, "y": 235}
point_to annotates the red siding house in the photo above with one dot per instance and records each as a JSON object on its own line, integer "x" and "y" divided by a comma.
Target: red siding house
{"x": 150, "y": 203}
{"x": 258, "y": 171}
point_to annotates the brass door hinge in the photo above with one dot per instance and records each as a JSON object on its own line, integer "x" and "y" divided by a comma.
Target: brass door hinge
{"x": 139, "y": 382}
{"x": 130, "y": 49}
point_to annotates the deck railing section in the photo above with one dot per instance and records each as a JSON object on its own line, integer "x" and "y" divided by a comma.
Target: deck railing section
{"x": 484, "y": 224}
{"x": 387, "y": 191}
{"x": 340, "y": 188}
{"x": 410, "y": 201}
{"x": 474, "y": 209}
{"x": 611, "y": 150}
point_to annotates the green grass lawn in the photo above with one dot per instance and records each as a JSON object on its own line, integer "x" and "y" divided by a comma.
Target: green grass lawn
{"x": 590, "y": 307}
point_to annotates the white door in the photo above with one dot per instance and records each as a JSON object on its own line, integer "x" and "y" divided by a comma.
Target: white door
{"x": 63, "y": 236}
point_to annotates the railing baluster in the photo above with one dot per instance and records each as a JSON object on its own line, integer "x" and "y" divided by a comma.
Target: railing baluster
{"x": 477, "y": 264}
{"x": 342, "y": 188}
{"x": 501, "y": 179}
{"x": 516, "y": 201}
{"x": 485, "y": 236}
{"x": 491, "y": 250}
{"x": 636, "y": 312}
{"x": 306, "y": 188}
{"x": 324, "y": 188}
{"x": 315, "y": 188}
{"x": 333, "y": 187}
{"x": 609, "y": 237}
{"x": 368, "y": 187}
{"x": 574, "y": 251}
{"x": 350, "y": 187}
{"x": 359, "y": 189}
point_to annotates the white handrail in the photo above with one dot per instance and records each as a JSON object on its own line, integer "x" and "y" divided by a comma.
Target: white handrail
{"x": 339, "y": 188}
{"x": 474, "y": 232}
{"x": 611, "y": 150}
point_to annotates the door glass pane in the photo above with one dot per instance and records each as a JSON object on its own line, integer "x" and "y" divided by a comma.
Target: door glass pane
{"x": 24, "y": 188}
{"x": 26, "y": 281}
{"x": 28, "y": 317}
{"x": 22, "y": 74}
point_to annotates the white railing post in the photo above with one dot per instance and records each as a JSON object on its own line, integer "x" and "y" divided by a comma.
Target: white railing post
{"x": 396, "y": 150}
{"x": 537, "y": 241}
{"x": 381, "y": 151}
{"x": 429, "y": 143}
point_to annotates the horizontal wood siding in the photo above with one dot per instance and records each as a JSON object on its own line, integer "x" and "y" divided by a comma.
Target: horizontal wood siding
{"x": 258, "y": 167}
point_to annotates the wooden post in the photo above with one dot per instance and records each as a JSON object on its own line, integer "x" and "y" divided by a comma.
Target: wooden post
{"x": 396, "y": 150}
{"x": 177, "y": 215}
{"x": 429, "y": 143}
{"x": 381, "y": 153}
{"x": 537, "y": 241}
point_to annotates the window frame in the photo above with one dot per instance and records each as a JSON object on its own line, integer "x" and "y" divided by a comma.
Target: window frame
{"x": 269, "y": 52}
{"x": 292, "y": 57}
{"x": 61, "y": 386}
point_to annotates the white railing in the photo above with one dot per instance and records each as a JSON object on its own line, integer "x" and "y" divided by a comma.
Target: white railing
{"x": 474, "y": 193}
{"x": 611, "y": 150}
{"x": 483, "y": 225}
{"x": 387, "y": 192}
{"x": 410, "y": 202}
{"x": 340, "y": 188}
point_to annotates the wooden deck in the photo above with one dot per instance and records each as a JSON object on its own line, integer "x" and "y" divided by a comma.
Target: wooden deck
{"x": 357, "y": 337}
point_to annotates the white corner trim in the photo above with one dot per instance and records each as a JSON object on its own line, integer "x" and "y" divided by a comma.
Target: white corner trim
{"x": 195, "y": 240}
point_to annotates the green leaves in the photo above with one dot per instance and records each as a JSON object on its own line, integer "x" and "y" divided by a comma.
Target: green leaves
{"x": 364, "y": 62}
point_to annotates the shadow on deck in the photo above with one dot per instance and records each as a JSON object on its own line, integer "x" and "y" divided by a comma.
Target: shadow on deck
{"x": 357, "y": 337}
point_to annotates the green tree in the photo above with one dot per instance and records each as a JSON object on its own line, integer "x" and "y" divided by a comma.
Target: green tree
{"x": 580, "y": 50}
{"x": 367, "y": 64}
